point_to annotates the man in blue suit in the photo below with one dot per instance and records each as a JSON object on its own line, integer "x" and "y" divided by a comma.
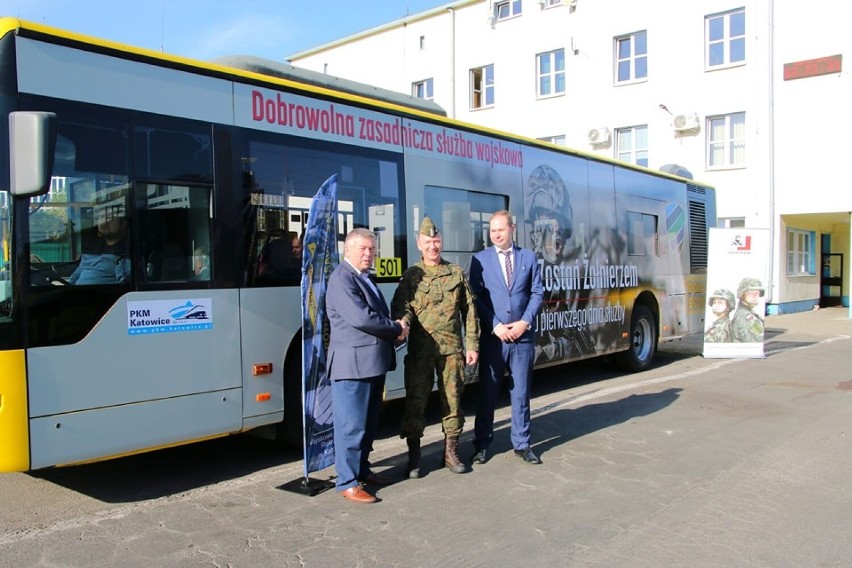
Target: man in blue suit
{"x": 360, "y": 353}
{"x": 506, "y": 281}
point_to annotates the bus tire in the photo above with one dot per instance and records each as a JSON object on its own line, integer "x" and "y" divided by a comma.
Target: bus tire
{"x": 643, "y": 341}
{"x": 290, "y": 431}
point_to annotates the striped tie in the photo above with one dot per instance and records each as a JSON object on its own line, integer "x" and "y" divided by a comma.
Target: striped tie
{"x": 507, "y": 261}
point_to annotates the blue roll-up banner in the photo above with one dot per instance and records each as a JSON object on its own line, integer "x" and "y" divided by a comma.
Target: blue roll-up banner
{"x": 320, "y": 258}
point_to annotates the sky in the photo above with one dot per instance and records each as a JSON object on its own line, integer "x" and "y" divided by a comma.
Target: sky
{"x": 206, "y": 29}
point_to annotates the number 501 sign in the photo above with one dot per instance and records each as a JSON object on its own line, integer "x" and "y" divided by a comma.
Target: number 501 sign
{"x": 388, "y": 267}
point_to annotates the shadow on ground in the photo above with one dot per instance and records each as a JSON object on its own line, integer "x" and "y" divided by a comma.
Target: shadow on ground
{"x": 171, "y": 471}
{"x": 175, "y": 470}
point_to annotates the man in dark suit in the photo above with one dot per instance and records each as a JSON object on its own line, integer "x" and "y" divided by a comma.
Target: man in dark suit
{"x": 360, "y": 353}
{"x": 506, "y": 281}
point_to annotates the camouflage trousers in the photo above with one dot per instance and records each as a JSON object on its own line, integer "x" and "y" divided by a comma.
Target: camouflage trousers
{"x": 421, "y": 366}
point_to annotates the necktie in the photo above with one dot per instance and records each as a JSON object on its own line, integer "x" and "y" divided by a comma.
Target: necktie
{"x": 507, "y": 261}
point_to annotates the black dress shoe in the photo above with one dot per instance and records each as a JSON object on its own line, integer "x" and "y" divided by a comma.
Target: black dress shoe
{"x": 377, "y": 479}
{"x": 479, "y": 456}
{"x": 527, "y": 455}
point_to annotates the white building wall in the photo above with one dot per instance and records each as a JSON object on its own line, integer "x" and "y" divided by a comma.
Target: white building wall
{"x": 812, "y": 114}
{"x": 795, "y": 129}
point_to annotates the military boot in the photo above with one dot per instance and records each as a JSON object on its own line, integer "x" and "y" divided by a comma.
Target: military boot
{"x": 451, "y": 455}
{"x": 413, "y": 467}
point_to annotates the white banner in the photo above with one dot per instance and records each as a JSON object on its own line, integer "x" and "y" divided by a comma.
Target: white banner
{"x": 737, "y": 267}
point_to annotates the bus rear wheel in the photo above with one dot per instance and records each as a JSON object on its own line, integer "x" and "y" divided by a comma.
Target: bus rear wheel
{"x": 643, "y": 341}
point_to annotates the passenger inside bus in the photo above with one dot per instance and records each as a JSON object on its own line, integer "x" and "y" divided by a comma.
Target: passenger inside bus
{"x": 280, "y": 259}
{"x": 200, "y": 264}
{"x": 296, "y": 242}
{"x": 105, "y": 258}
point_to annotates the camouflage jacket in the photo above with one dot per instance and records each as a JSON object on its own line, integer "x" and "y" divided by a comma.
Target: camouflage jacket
{"x": 746, "y": 326}
{"x": 719, "y": 331}
{"x": 436, "y": 302}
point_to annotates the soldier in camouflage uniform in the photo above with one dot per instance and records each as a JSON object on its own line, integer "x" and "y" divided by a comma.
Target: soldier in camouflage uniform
{"x": 435, "y": 299}
{"x": 747, "y": 325}
{"x": 721, "y": 303}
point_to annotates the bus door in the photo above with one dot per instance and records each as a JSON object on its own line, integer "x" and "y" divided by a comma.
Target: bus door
{"x": 130, "y": 347}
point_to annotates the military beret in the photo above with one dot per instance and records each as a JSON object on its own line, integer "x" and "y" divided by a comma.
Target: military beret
{"x": 428, "y": 228}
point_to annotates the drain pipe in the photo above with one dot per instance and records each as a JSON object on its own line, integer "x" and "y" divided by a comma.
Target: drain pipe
{"x": 452, "y": 12}
{"x": 770, "y": 130}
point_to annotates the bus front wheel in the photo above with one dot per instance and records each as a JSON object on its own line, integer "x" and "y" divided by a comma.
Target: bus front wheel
{"x": 643, "y": 341}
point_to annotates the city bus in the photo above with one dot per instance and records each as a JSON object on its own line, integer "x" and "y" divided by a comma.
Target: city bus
{"x": 151, "y": 214}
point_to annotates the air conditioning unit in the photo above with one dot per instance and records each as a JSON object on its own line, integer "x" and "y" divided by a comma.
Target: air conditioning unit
{"x": 685, "y": 122}
{"x": 599, "y": 136}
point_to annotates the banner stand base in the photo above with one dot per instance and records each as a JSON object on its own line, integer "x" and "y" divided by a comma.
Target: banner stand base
{"x": 307, "y": 486}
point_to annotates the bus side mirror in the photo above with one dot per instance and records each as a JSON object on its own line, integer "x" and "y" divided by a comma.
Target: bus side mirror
{"x": 32, "y": 142}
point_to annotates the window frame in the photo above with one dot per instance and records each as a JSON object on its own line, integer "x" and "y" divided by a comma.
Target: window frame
{"x": 552, "y": 76}
{"x": 800, "y": 252}
{"x": 482, "y": 87}
{"x": 634, "y": 151}
{"x": 726, "y": 40}
{"x": 514, "y": 8}
{"x": 427, "y": 85}
{"x": 632, "y": 59}
{"x": 728, "y": 143}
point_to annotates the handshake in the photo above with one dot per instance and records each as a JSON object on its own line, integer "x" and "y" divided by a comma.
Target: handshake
{"x": 404, "y": 334}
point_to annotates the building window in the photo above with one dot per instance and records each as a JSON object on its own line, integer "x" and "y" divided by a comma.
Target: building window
{"x": 725, "y": 39}
{"x": 800, "y": 252}
{"x": 508, "y": 9}
{"x": 422, "y": 89}
{"x": 482, "y": 87}
{"x": 631, "y": 58}
{"x": 726, "y": 141}
{"x": 631, "y": 145}
{"x": 551, "y": 73}
{"x": 559, "y": 139}
{"x": 422, "y": 42}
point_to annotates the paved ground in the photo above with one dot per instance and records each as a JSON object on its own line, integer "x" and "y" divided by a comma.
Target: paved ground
{"x": 694, "y": 463}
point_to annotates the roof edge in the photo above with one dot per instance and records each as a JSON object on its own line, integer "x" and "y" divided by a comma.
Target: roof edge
{"x": 382, "y": 28}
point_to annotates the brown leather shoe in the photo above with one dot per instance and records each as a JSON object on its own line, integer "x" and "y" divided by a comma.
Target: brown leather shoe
{"x": 358, "y": 494}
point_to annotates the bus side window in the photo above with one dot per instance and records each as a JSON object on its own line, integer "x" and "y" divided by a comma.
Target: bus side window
{"x": 463, "y": 216}
{"x": 175, "y": 232}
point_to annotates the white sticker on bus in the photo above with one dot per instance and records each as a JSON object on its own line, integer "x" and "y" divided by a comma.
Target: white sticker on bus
{"x": 167, "y": 316}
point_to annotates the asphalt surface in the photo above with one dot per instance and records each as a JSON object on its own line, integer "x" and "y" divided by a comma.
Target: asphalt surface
{"x": 696, "y": 462}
